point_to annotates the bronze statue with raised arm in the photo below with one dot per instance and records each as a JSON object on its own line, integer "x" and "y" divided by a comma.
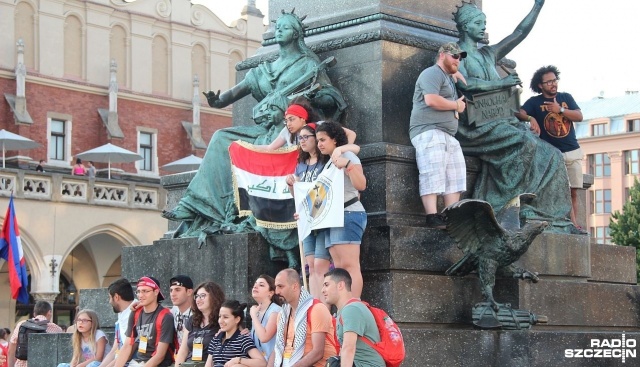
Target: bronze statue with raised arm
{"x": 514, "y": 160}
{"x": 208, "y": 204}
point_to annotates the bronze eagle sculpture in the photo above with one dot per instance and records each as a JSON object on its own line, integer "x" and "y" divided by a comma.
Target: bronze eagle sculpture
{"x": 491, "y": 243}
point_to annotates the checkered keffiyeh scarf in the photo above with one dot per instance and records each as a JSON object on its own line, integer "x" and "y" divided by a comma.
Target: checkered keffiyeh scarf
{"x": 300, "y": 326}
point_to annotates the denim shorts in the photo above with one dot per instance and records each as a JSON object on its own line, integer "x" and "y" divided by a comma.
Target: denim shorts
{"x": 354, "y": 225}
{"x": 314, "y": 244}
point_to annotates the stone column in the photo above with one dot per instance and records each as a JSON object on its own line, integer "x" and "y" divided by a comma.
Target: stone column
{"x": 195, "y": 101}
{"x": 21, "y": 74}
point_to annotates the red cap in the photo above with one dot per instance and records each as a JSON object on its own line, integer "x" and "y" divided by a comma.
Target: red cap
{"x": 152, "y": 283}
{"x": 297, "y": 110}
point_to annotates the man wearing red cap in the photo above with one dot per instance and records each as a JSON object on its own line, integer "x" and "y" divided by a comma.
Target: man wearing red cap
{"x": 151, "y": 327}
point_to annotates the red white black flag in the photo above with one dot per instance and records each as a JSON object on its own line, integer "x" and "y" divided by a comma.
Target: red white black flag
{"x": 259, "y": 184}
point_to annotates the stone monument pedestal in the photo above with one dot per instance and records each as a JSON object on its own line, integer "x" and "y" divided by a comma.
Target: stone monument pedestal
{"x": 586, "y": 291}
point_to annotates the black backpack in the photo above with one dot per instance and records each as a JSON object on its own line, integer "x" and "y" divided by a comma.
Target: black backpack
{"x": 31, "y": 326}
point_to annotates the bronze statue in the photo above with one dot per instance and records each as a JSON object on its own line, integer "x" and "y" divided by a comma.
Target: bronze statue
{"x": 208, "y": 204}
{"x": 491, "y": 243}
{"x": 513, "y": 159}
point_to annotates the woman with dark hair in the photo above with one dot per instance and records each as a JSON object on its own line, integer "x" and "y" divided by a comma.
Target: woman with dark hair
{"x": 78, "y": 169}
{"x": 265, "y": 314}
{"x": 310, "y": 164}
{"x": 344, "y": 242}
{"x": 230, "y": 345}
{"x": 202, "y": 326}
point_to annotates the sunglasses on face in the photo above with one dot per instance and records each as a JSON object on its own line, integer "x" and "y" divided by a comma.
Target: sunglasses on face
{"x": 457, "y": 56}
{"x": 551, "y": 82}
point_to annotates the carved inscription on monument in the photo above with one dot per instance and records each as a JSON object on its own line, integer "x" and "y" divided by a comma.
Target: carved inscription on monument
{"x": 484, "y": 107}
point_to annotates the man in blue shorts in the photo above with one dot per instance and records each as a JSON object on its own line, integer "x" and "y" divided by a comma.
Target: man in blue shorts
{"x": 551, "y": 115}
{"x": 433, "y": 124}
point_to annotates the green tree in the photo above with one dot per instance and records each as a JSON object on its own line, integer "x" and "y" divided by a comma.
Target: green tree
{"x": 625, "y": 230}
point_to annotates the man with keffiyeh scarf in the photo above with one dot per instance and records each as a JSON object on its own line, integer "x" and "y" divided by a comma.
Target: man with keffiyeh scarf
{"x": 305, "y": 334}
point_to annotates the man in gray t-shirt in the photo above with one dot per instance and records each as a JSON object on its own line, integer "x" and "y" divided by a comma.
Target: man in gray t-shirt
{"x": 433, "y": 124}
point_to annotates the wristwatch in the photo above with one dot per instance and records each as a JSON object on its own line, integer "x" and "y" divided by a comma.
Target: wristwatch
{"x": 561, "y": 110}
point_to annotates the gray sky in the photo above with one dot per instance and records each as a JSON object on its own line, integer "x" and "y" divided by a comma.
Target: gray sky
{"x": 589, "y": 41}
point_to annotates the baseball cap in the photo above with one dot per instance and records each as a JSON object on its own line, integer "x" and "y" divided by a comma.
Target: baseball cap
{"x": 182, "y": 281}
{"x": 452, "y": 48}
{"x": 153, "y": 283}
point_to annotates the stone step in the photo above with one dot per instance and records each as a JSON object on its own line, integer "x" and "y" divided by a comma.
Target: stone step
{"x": 420, "y": 249}
{"x": 51, "y": 349}
{"x": 613, "y": 264}
{"x": 234, "y": 261}
{"x": 428, "y": 347}
{"x": 438, "y": 299}
{"x": 417, "y": 248}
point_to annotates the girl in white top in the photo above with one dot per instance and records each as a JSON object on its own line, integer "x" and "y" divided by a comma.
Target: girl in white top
{"x": 89, "y": 343}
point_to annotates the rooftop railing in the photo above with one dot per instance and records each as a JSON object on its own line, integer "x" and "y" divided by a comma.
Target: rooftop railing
{"x": 59, "y": 187}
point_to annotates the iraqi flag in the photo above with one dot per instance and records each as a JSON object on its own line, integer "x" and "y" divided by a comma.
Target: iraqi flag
{"x": 260, "y": 187}
{"x": 11, "y": 251}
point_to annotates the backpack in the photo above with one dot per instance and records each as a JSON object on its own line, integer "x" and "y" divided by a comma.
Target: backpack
{"x": 173, "y": 347}
{"x": 31, "y": 326}
{"x": 333, "y": 340}
{"x": 391, "y": 345}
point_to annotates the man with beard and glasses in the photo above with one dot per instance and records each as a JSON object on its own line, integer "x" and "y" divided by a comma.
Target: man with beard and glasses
{"x": 433, "y": 124}
{"x": 120, "y": 298}
{"x": 551, "y": 115}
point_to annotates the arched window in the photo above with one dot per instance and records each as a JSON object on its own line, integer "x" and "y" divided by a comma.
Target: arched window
{"x": 160, "y": 66}
{"x": 199, "y": 66}
{"x": 25, "y": 29}
{"x": 118, "y": 51}
{"x": 73, "y": 47}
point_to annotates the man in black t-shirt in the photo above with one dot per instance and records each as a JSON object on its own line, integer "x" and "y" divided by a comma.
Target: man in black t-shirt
{"x": 153, "y": 350}
{"x": 551, "y": 115}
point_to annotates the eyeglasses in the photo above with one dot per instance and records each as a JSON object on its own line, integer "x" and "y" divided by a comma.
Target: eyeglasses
{"x": 291, "y": 119}
{"x": 83, "y": 321}
{"x": 305, "y": 137}
{"x": 457, "y": 56}
{"x": 551, "y": 82}
{"x": 143, "y": 291}
{"x": 199, "y": 296}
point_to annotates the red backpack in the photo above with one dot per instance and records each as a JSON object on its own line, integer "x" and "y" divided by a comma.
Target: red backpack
{"x": 333, "y": 339}
{"x": 173, "y": 347}
{"x": 391, "y": 345}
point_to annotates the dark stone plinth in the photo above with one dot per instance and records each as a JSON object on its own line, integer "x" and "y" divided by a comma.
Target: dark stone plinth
{"x": 558, "y": 255}
{"x": 533, "y": 348}
{"x": 585, "y": 304}
{"x": 403, "y": 264}
{"x": 51, "y": 349}
{"x": 321, "y": 13}
{"x": 96, "y": 299}
{"x": 422, "y": 249}
{"x": 423, "y": 298}
{"x": 233, "y": 261}
{"x": 614, "y": 264}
